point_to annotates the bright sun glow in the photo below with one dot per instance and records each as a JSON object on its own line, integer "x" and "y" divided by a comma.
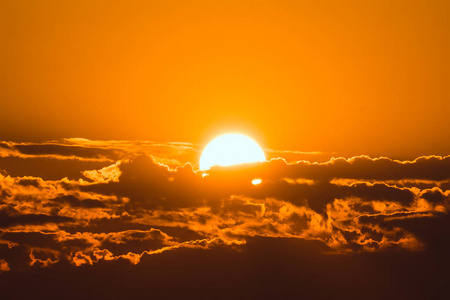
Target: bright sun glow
{"x": 256, "y": 181}
{"x": 231, "y": 149}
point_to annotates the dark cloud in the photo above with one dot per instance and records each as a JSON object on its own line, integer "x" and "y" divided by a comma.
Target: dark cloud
{"x": 264, "y": 268}
{"x": 75, "y": 202}
{"x": 66, "y": 150}
{"x": 150, "y": 185}
{"x": 5, "y": 145}
{"x": 48, "y": 168}
{"x": 70, "y": 157}
{"x": 11, "y": 217}
{"x": 29, "y": 182}
{"x": 434, "y": 195}
{"x": 434, "y": 168}
{"x": 136, "y": 241}
{"x": 80, "y": 215}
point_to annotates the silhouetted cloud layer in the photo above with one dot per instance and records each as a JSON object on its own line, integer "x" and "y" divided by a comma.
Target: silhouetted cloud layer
{"x": 351, "y": 205}
{"x": 135, "y": 206}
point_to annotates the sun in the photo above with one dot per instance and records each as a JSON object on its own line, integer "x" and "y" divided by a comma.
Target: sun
{"x": 231, "y": 149}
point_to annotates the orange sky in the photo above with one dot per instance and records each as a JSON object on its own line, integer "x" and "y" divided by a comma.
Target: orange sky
{"x": 350, "y": 77}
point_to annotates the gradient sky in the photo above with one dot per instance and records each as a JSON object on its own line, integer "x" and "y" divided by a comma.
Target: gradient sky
{"x": 351, "y": 77}
{"x": 106, "y": 106}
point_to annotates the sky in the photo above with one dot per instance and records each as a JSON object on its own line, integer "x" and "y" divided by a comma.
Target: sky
{"x": 106, "y": 106}
{"x": 297, "y": 75}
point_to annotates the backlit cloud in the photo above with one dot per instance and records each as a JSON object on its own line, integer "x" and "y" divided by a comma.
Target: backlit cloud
{"x": 136, "y": 205}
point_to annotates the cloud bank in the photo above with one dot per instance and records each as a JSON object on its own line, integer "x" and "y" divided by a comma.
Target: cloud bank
{"x": 137, "y": 204}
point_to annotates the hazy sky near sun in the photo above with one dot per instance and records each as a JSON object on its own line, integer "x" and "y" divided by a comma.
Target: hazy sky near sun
{"x": 351, "y": 77}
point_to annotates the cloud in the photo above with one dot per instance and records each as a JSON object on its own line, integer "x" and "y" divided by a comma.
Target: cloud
{"x": 136, "y": 206}
{"x": 66, "y": 150}
{"x": 71, "y": 157}
{"x": 4, "y": 266}
{"x": 73, "y": 201}
{"x": 11, "y": 217}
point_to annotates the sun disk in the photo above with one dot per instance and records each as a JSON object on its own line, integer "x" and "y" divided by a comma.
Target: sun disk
{"x": 231, "y": 149}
